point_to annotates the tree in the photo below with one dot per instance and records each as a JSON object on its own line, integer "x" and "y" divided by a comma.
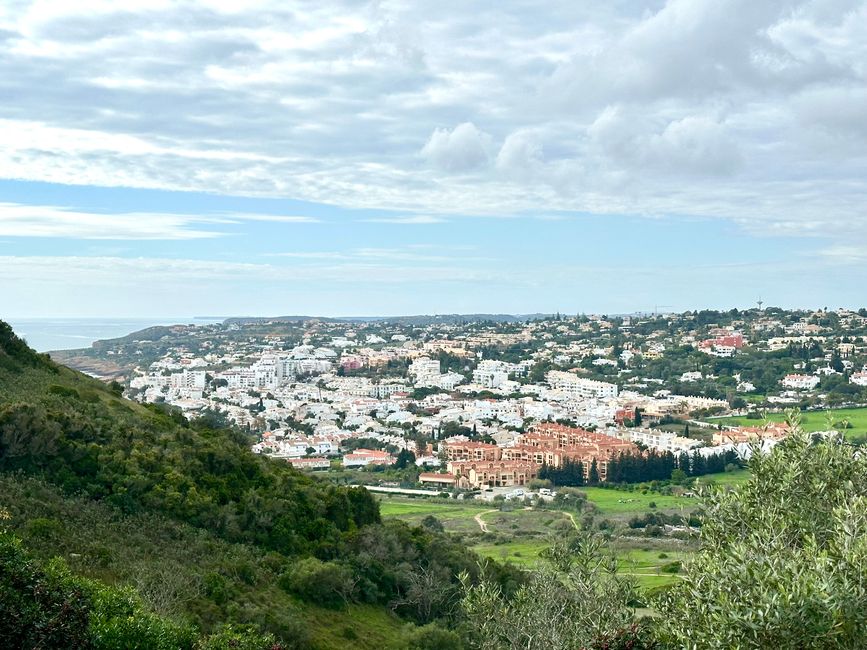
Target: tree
{"x": 678, "y": 476}
{"x": 785, "y": 552}
{"x": 593, "y": 475}
{"x": 574, "y": 600}
{"x": 404, "y": 459}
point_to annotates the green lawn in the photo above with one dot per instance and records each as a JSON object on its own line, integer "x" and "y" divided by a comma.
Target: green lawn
{"x": 622, "y": 502}
{"x": 522, "y": 552}
{"x": 399, "y": 507}
{"x": 725, "y": 478}
{"x": 812, "y": 420}
{"x": 455, "y": 516}
{"x": 645, "y": 566}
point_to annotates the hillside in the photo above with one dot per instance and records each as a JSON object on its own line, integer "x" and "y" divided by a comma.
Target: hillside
{"x": 144, "y": 493}
{"x": 182, "y": 572}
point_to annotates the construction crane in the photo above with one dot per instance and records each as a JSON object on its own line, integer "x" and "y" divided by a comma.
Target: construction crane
{"x": 656, "y": 309}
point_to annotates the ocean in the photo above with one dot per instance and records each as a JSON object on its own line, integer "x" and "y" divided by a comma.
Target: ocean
{"x": 45, "y": 334}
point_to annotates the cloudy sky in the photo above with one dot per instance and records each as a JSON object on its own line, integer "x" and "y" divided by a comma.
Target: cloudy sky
{"x": 162, "y": 158}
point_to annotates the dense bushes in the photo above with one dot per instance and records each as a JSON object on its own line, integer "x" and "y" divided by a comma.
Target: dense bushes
{"x": 329, "y": 584}
{"x": 15, "y": 353}
{"x": 38, "y": 608}
{"x": 47, "y": 607}
{"x": 784, "y": 553}
{"x": 139, "y": 459}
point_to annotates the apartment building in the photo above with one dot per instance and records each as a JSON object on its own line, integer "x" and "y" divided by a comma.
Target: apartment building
{"x": 800, "y": 382}
{"x": 574, "y": 386}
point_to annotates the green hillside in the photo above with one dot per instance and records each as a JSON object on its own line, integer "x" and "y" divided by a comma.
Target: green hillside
{"x": 205, "y": 531}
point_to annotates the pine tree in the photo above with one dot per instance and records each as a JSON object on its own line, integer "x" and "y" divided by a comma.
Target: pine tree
{"x": 593, "y": 478}
{"x": 699, "y": 466}
{"x": 683, "y": 463}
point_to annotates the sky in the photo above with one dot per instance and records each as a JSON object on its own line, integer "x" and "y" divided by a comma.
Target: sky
{"x": 348, "y": 158}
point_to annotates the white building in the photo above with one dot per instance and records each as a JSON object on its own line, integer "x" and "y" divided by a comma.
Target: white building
{"x": 800, "y": 382}
{"x": 490, "y": 374}
{"x": 190, "y": 380}
{"x": 424, "y": 366}
{"x": 573, "y": 386}
{"x": 659, "y": 440}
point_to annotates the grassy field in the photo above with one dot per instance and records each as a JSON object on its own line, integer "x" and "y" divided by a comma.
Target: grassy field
{"x": 813, "y": 420}
{"x": 521, "y": 552}
{"x": 697, "y": 433}
{"x": 520, "y": 535}
{"x": 357, "y": 626}
{"x": 643, "y": 564}
{"x": 726, "y": 478}
{"x": 406, "y": 508}
{"x": 455, "y": 516}
{"x": 623, "y": 502}
{"x": 647, "y": 565}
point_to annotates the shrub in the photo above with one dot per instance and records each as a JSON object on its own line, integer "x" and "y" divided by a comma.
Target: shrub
{"x": 38, "y": 608}
{"x": 48, "y": 607}
{"x": 328, "y": 584}
{"x": 43, "y": 528}
{"x": 432, "y": 637}
{"x": 238, "y": 637}
{"x": 671, "y": 567}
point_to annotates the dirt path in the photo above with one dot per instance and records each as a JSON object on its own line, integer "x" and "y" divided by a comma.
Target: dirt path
{"x": 572, "y": 517}
{"x": 481, "y": 522}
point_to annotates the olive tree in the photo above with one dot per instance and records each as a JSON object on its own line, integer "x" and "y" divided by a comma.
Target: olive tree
{"x": 575, "y": 600}
{"x": 783, "y": 556}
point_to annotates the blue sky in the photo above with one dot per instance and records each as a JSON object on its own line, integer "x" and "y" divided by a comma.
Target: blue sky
{"x": 353, "y": 159}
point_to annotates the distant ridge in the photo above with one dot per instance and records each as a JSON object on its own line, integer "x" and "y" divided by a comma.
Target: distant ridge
{"x": 156, "y": 332}
{"x": 421, "y": 319}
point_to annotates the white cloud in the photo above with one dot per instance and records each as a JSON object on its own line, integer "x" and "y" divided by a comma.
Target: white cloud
{"x": 461, "y": 149}
{"x": 276, "y": 218}
{"x": 520, "y": 154}
{"x": 385, "y": 255}
{"x": 729, "y": 109}
{"x": 19, "y": 220}
{"x": 311, "y": 255}
{"x": 843, "y": 254}
{"x": 693, "y": 144}
{"x": 416, "y": 219}
{"x": 361, "y": 267}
